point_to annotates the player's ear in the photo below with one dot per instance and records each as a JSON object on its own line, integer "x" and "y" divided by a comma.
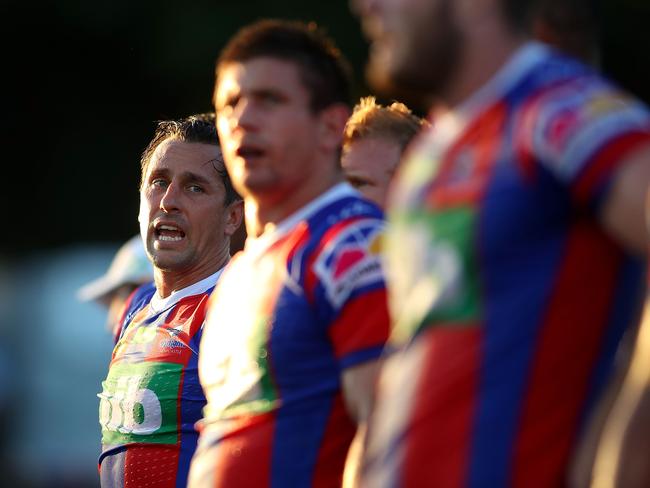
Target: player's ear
{"x": 333, "y": 120}
{"x": 233, "y": 217}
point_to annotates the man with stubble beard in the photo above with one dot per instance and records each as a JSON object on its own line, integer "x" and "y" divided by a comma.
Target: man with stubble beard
{"x": 515, "y": 246}
{"x": 152, "y": 398}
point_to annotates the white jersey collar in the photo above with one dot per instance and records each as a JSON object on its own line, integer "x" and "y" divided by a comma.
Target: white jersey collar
{"x": 158, "y": 304}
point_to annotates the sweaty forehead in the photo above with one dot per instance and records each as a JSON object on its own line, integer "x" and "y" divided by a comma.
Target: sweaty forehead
{"x": 176, "y": 155}
{"x": 260, "y": 73}
{"x": 373, "y": 154}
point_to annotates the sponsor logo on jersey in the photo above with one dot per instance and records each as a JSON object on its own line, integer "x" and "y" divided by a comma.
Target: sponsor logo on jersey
{"x": 350, "y": 260}
{"x": 138, "y": 403}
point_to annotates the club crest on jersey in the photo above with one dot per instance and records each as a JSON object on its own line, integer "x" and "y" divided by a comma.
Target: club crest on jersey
{"x": 351, "y": 260}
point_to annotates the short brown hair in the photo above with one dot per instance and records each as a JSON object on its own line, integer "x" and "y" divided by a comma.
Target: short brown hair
{"x": 370, "y": 119}
{"x": 324, "y": 71}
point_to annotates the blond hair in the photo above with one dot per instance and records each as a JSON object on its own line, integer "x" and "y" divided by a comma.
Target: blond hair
{"x": 370, "y": 119}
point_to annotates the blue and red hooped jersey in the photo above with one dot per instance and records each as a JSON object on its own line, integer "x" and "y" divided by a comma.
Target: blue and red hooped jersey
{"x": 152, "y": 398}
{"x": 509, "y": 294}
{"x": 291, "y": 313}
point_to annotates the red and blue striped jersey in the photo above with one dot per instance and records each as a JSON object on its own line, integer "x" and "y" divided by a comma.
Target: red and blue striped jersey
{"x": 507, "y": 293}
{"x": 293, "y": 311}
{"x": 152, "y": 398}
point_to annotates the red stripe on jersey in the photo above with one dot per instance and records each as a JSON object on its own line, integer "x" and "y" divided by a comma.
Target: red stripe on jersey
{"x": 525, "y": 159}
{"x": 605, "y": 161}
{"x": 292, "y": 241}
{"x": 243, "y": 456}
{"x": 150, "y": 465}
{"x": 362, "y": 324}
{"x": 468, "y": 164}
{"x": 439, "y": 433}
{"x": 568, "y": 345}
{"x": 338, "y": 435}
{"x": 187, "y": 311}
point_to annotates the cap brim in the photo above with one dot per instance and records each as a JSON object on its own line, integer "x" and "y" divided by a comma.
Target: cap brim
{"x": 96, "y": 289}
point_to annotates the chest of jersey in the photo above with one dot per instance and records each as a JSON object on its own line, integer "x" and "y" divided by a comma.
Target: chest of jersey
{"x": 152, "y": 372}
{"x": 258, "y": 306}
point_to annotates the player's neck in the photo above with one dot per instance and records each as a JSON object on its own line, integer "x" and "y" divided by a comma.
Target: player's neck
{"x": 171, "y": 280}
{"x": 263, "y": 215}
{"x": 476, "y": 68}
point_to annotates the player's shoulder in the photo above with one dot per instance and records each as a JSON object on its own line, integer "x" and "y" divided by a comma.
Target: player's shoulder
{"x": 568, "y": 110}
{"x": 561, "y": 84}
{"x": 350, "y": 211}
{"x": 345, "y": 222}
{"x": 350, "y": 248}
{"x": 354, "y": 223}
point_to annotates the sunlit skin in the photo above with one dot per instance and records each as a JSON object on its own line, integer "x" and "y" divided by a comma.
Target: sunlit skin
{"x": 279, "y": 153}
{"x": 369, "y": 164}
{"x": 183, "y": 221}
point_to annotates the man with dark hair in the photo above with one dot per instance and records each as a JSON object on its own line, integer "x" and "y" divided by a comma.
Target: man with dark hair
{"x": 152, "y": 398}
{"x": 292, "y": 375}
{"x": 514, "y": 251}
{"x": 373, "y": 142}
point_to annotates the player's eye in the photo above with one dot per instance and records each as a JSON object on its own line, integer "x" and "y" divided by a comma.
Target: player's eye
{"x": 271, "y": 98}
{"x": 159, "y": 183}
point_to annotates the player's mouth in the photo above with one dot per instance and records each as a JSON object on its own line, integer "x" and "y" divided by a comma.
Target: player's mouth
{"x": 249, "y": 152}
{"x": 168, "y": 233}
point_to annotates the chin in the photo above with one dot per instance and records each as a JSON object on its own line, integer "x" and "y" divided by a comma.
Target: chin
{"x": 258, "y": 186}
{"x": 166, "y": 261}
{"x": 158, "y": 261}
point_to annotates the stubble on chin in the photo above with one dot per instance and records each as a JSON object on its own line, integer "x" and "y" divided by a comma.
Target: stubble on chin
{"x": 419, "y": 67}
{"x": 161, "y": 259}
{"x": 158, "y": 261}
{"x": 393, "y": 87}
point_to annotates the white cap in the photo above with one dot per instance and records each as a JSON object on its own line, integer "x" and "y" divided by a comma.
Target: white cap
{"x": 129, "y": 266}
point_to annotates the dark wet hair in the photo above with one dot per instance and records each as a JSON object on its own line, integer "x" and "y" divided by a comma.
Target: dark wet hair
{"x": 195, "y": 128}
{"x": 323, "y": 69}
